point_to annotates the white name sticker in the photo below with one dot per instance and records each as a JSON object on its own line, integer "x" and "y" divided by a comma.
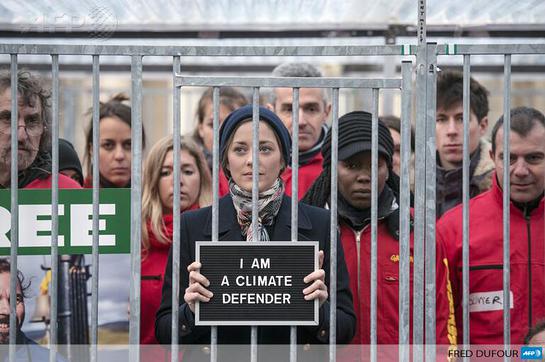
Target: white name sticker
{"x": 488, "y": 301}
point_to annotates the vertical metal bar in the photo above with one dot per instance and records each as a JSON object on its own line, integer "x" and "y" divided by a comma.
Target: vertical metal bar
{"x": 420, "y": 180}
{"x": 14, "y": 209}
{"x": 465, "y": 207}
{"x": 96, "y": 201}
{"x": 136, "y": 205}
{"x": 374, "y": 203}
{"x": 215, "y": 201}
{"x": 420, "y": 204}
{"x": 176, "y": 210}
{"x": 405, "y": 213}
{"x": 294, "y": 197}
{"x": 333, "y": 229}
{"x": 506, "y": 202}
{"x": 431, "y": 217}
{"x": 54, "y": 210}
{"x": 421, "y": 22}
{"x": 255, "y": 196}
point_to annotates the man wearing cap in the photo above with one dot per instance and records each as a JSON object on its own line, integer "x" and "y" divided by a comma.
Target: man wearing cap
{"x": 33, "y": 134}
{"x": 450, "y": 135}
{"x": 354, "y": 215}
{"x": 527, "y": 246}
{"x": 314, "y": 109}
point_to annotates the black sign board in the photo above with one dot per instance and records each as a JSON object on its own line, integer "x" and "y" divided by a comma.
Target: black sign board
{"x": 257, "y": 283}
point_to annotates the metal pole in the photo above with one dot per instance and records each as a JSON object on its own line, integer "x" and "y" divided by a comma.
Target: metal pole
{"x": 431, "y": 217}
{"x": 176, "y": 211}
{"x": 14, "y": 210}
{"x": 506, "y": 203}
{"x": 374, "y": 204}
{"x": 420, "y": 184}
{"x": 405, "y": 213}
{"x": 333, "y": 229}
{"x": 96, "y": 202}
{"x": 54, "y": 291}
{"x": 294, "y": 197}
{"x": 215, "y": 201}
{"x": 136, "y": 206}
{"x": 465, "y": 211}
{"x": 255, "y": 196}
{"x": 420, "y": 204}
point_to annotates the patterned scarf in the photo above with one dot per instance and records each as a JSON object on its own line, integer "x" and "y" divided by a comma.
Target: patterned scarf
{"x": 268, "y": 206}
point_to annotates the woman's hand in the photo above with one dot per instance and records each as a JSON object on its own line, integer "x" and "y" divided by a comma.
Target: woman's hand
{"x": 317, "y": 289}
{"x": 197, "y": 283}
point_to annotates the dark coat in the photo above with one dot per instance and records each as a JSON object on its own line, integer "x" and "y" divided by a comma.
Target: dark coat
{"x": 313, "y": 226}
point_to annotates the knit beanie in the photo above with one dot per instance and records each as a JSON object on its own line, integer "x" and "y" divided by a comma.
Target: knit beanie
{"x": 68, "y": 158}
{"x": 231, "y": 123}
{"x": 354, "y": 136}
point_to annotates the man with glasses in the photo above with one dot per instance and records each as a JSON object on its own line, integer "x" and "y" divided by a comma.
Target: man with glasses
{"x": 33, "y": 134}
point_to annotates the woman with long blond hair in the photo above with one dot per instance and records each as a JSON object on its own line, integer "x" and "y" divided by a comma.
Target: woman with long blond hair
{"x": 157, "y": 207}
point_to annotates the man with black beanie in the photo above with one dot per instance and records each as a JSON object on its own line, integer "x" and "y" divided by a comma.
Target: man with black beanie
{"x": 354, "y": 215}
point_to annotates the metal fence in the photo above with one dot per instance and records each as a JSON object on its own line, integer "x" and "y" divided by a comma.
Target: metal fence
{"x": 425, "y": 69}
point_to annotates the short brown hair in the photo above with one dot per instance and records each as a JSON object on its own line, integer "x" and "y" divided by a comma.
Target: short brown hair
{"x": 450, "y": 91}
{"x": 112, "y": 108}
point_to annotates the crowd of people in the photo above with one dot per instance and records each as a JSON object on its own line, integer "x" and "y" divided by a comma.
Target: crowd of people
{"x": 353, "y": 284}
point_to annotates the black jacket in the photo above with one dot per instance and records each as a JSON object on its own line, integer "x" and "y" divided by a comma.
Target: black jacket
{"x": 313, "y": 226}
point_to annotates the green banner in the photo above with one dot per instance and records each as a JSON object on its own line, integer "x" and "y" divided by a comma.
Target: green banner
{"x": 75, "y": 221}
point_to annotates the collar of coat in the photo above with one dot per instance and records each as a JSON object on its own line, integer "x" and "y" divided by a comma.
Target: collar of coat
{"x": 229, "y": 229}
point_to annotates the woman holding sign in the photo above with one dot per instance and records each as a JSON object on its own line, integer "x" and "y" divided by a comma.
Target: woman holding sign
{"x": 157, "y": 206}
{"x": 235, "y": 223}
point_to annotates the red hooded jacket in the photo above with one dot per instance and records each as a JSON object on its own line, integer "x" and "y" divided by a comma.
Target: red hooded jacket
{"x": 357, "y": 251}
{"x": 154, "y": 261}
{"x": 527, "y": 266}
{"x": 308, "y": 173}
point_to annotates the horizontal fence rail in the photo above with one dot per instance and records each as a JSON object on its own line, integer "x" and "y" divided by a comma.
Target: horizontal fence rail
{"x": 290, "y": 82}
{"x": 243, "y": 51}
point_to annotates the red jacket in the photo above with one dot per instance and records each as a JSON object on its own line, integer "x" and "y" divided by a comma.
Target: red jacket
{"x": 388, "y": 286}
{"x": 153, "y": 266}
{"x": 486, "y": 270}
{"x": 308, "y": 173}
{"x": 65, "y": 182}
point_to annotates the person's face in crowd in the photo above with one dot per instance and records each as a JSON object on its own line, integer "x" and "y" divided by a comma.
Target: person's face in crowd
{"x": 396, "y": 157}
{"x": 29, "y": 133}
{"x": 115, "y": 151}
{"x": 313, "y": 113}
{"x": 354, "y": 177}
{"x": 239, "y": 157}
{"x": 73, "y": 174}
{"x": 538, "y": 339}
{"x": 206, "y": 127}
{"x": 449, "y": 133}
{"x": 190, "y": 182}
{"x": 527, "y": 159}
{"x": 5, "y": 310}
